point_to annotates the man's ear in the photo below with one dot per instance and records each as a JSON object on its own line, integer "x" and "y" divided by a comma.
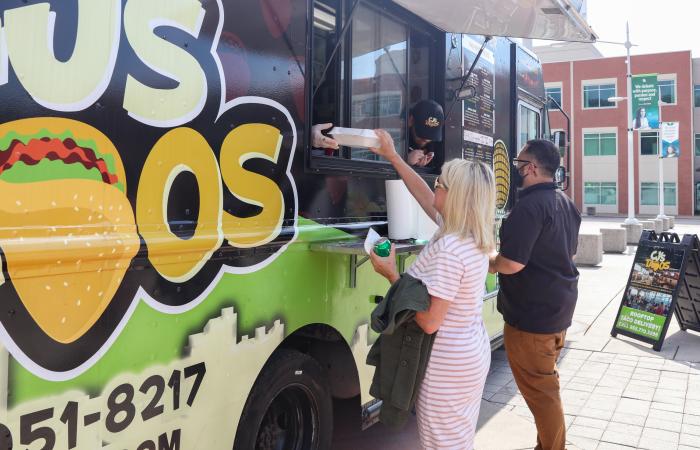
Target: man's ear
{"x": 410, "y": 120}
{"x": 536, "y": 170}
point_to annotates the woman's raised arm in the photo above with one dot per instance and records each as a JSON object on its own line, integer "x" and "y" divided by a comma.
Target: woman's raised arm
{"x": 416, "y": 185}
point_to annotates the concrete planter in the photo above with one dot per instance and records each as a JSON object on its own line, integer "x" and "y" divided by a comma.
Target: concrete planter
{"x": 590, "y": 249}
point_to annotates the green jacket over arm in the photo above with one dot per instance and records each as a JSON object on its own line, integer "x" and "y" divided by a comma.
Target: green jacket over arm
{"x": 402, "y": 351}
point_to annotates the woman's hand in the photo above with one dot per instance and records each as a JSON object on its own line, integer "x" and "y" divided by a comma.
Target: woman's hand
{"x": 492, "y": 261}
{"x": 386, "y": 147}
{"x": 320, "y": 140}
{"x": 386, "y": 267}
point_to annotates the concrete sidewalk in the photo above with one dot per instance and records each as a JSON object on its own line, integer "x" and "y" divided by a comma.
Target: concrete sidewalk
{"x": 617, "y": 393}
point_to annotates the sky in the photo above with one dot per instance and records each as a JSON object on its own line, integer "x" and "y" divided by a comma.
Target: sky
{"x": 655, "y": 25}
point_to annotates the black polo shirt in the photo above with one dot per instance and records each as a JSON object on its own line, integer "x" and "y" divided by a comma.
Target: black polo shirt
{"x": 541, "y": 232}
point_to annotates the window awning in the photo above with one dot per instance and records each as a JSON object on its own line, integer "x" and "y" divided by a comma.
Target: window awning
{"x": 559, "y": 20}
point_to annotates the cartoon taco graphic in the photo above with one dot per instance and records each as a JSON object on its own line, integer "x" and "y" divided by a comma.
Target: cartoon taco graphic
{"x": 67, "y": 229}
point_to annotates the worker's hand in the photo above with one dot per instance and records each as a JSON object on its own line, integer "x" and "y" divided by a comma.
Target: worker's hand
{"x": 386, "y": 147}
{"x": 385, "y": 267}
{"x": 320, "y": 140}
{"x": 419, "y": 158}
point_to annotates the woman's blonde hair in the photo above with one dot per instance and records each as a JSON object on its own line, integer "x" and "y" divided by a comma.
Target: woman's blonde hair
{"x": 470, "y": 205}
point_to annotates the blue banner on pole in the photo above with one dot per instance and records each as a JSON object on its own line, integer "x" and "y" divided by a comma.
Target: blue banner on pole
{"x": 670, "y": 140}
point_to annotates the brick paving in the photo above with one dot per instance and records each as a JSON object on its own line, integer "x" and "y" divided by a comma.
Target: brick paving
{"x": 630, "y": 401}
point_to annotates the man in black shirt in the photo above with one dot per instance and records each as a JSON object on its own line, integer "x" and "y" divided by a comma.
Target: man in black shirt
{"x": 539, "y": 286}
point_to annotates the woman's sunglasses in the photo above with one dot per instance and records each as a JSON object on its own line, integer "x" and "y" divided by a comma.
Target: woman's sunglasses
{"x": 439, "y": 185}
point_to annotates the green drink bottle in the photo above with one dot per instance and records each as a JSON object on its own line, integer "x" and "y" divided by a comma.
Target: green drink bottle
{"x": 383, "y": 247}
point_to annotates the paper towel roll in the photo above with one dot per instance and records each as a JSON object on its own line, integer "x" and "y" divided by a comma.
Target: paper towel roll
{"x": 425, "y": 227}
{"x": 400, "y": 210}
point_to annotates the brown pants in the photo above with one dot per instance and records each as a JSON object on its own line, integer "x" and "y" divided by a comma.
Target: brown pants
{"x": 533, "y": 360}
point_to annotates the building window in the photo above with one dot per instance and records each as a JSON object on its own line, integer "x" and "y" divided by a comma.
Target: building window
{"x": 697, "y": 198}
{"x": 600, "y": 193}
{"x": 697, "y": 95}
{"x": 650, "y": 194}
{"x": 599, "y": 144}
{"x": 554, "y": 93}
{"x": 667, "y": 91}
{"x": 597, "y": 95}
{"x": 649, "y": 143}
{"x": 670, "y": 194}
{"x": 697, "y": 145}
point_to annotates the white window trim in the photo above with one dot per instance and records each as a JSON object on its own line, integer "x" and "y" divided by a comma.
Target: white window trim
{"x": 599, "y": 130}
{"x": 674, "y": 77}
{"x": 597, "y": 82}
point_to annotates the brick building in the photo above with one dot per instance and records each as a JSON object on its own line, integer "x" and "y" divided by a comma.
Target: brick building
{"x": 599, "y": 131}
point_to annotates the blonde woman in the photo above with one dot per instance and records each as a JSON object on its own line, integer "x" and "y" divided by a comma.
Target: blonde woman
{"x": 453, "y": 266}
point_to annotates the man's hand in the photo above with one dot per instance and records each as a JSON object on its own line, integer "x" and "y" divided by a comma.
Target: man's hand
{"x": 385, "y": 267}
{"x": 419, "y": 158}
{"x": 320, "y": 140}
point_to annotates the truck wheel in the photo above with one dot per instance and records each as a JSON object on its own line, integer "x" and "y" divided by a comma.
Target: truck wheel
{"x": 289, "y": 408}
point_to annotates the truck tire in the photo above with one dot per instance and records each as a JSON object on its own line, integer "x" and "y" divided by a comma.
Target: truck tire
{"x": 289, "y": 408}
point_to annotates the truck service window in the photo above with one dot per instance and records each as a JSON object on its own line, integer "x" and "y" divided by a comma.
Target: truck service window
{"x": 381, "y": 67}
{"x": 325, "y": 30}
{"x": 379, "y": 77}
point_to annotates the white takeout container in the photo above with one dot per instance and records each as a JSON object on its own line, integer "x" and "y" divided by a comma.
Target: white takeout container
{"x": 355, "y": 137}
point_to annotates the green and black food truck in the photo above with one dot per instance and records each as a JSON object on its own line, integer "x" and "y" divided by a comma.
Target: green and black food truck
{"x": 178, "y": 263}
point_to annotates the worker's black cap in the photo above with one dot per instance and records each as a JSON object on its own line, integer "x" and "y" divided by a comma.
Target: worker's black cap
{"x": 428, "y": 118}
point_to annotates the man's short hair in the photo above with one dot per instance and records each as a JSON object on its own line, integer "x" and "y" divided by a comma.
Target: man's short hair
{"x": 546, "y": 154}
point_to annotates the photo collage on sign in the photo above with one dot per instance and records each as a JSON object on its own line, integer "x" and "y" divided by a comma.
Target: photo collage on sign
{"x": 653, "y": 302}
{"x": 654, "y": 278}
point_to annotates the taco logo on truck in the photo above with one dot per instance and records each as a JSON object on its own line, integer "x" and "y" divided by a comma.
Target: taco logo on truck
{"x": 133, "y": 162}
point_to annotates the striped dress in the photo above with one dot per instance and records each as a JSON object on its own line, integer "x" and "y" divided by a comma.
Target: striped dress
{"x": 450, "y": 395}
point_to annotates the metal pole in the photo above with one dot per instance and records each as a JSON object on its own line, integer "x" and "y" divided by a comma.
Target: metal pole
{"x": 630, "y": 138}
{"x": 661, "y": 168}
{"x": 661, "y": 188}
